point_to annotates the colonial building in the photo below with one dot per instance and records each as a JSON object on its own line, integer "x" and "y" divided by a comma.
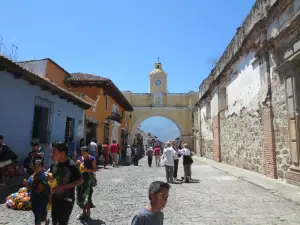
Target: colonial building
{"x": 248, "y": 110}
{"x": 108, "y": 114}
{"x": 35, "y": 107}
{"x": 105, "y": 120}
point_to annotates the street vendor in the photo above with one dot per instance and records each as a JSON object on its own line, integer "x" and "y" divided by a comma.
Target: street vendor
{"x": 6, "y": 158}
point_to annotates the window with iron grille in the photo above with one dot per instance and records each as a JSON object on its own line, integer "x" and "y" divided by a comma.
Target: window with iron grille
{"x": 70, "y": 127}
{"x": 42, "y": 120}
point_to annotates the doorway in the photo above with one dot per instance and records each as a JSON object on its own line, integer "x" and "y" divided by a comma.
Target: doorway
{"x": 70, "y": 128}
{"x": 40, "y": 128}
{"x": 91, "y": 132}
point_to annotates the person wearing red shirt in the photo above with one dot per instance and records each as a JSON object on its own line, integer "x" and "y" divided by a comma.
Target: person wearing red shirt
{"x": 157, "y": 155}
{"x": 105, "y": 153}
{"x": 114, "y": 153}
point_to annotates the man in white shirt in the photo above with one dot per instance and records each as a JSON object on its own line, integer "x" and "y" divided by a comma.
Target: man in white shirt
{"x": 168, "y": 154}
{"x": 93, "y": 148}
{"x": 128, "y": 155}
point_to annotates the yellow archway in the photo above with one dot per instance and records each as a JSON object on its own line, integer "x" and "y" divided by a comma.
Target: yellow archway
{"x": 148, "y": 115}
{"x": 178, "y": 107}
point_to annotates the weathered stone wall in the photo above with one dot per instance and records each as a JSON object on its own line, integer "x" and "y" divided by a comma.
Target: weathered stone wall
{"x": 283, "y": 156}
{"x": 196, "y": 129}
{"x": 207, "y": 148}
{"x": 242, "y": 140}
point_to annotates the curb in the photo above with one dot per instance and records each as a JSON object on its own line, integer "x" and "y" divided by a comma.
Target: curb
{"x": 274, "y": 186}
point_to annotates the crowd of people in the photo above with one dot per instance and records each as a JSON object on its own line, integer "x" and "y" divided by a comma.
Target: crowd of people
{"x": 171, "y": 154}
{"x": 54, "y": 189}
{"x": 152, "y": 213}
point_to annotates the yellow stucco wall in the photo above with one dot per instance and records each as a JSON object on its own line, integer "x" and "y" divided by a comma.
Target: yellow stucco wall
{"x": 177, "y": 107}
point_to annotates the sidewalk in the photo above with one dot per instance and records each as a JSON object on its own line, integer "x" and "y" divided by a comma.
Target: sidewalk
{"x": 275, "y": 186}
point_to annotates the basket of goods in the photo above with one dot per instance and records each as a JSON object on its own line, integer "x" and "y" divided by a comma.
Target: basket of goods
{"x": 19, "y": 200}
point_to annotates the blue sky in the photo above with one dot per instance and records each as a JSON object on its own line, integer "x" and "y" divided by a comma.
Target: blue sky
{"x": 122, "y": 39}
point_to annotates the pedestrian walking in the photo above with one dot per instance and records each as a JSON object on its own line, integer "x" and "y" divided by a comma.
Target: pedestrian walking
{"x": 99, "y": 158}
{"x": 135, "y": 158}
{"x": 40, "y": 192}
{"x": 176, "y": 161}
{"x": 187, "y": 162}
{"x": 7, "y": 156}
{"x": 35, "y": 153}
{"x": 105, "y": 153}
{"x": 93, "y": 148}
{"x": 157, "y": 154}
{"x": 114, "y": 153}
{"x": 67, "y": 176}
{"x": 168, "y": 154}
{"x": 152, "y": 214}
{"x": 84, "y": 191}
{"x": 128, "y": 155}
{"x": 149, "y": 154}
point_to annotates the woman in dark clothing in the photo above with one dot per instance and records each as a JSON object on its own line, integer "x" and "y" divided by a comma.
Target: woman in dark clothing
{"x": 84, "y": 191}
{"x": 135, "y": 154}
{"x": 6, "y": 158}
{"x": 40, "y": 192}
{"x": 187, "y": 162}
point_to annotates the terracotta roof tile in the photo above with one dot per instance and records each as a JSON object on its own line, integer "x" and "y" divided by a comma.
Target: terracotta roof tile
{"x": 86, "y": 77}
{"x": 22, "y": 72}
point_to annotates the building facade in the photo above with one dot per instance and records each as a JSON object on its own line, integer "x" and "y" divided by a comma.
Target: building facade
{"x": 109, "y": 110}
{"x": 177, "y": 107}
{"x": 34, "y": 107}
{"x": 247, "y": 115}
{"x": 105, "y": 120}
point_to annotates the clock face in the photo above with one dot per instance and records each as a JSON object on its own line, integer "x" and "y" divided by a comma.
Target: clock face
{"x": 158, "y": 82}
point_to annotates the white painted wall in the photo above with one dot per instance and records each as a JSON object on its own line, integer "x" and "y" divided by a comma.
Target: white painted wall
{"x": 215, "y": 102}
{"x": 16, "y": 120}
{"x": 243, "y": 85}
{"x": 206, "y": 124}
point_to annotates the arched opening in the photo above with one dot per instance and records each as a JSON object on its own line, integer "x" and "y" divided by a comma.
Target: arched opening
{"x": 154, "y": 130}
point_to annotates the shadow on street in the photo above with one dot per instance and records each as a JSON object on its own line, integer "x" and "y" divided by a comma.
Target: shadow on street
{"x": 93, "y": 222}
{"x": 7, "y": 191}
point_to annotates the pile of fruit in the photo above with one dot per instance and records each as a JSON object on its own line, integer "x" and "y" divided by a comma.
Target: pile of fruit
{"x": 19, "y": 200}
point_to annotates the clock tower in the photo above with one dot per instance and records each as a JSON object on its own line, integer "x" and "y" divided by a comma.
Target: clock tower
{"x": 158, "y": 79}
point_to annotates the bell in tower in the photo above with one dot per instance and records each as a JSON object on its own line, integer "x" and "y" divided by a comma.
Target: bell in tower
{"x": 158, "y": 65}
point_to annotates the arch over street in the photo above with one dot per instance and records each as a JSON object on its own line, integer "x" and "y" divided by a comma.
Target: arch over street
{"x": 177, "y": 107}
{"x": 148, "y": 115}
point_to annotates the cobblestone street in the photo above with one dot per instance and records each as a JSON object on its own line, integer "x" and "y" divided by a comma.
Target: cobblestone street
{"x": 217, "y": 199}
